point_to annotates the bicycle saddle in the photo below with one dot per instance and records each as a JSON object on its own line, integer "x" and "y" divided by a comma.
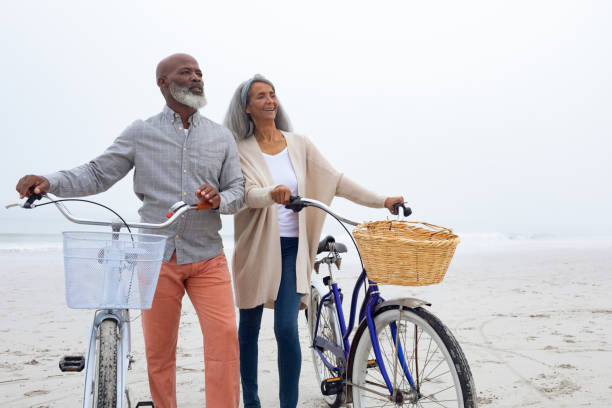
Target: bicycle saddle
{"x": 324, "y": 245}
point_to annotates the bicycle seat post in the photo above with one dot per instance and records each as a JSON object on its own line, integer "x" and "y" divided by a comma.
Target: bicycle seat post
{"x": 333, "y": 259}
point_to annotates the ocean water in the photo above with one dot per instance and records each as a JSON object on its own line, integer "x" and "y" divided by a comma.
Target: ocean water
{"x": 19, "y": 242}
{"x": 23, "y": 243}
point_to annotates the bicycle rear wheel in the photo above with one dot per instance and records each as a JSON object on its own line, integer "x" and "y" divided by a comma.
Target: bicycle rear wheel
{"x": 435, "y": 361}
{"x": 105, "y": 380}
{"x": 328, "y": 327}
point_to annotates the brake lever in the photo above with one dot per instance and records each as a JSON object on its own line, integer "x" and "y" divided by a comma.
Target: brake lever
{"x": 298, "y": 206}
{"x": 31, "y": 199}
{"x": 405, "y": 210}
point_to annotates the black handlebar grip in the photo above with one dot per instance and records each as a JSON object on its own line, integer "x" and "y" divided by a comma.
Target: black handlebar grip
{"x": 407, "y": 211}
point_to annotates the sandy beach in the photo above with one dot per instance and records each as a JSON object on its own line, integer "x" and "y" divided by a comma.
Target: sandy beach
{"x": 534, "y": 318}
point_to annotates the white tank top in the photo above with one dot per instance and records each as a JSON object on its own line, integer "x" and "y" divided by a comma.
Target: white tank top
{"x": 283, "y": 173}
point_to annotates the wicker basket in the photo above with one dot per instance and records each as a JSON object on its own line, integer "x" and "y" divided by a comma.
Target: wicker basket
{"x": 405, "y": 253}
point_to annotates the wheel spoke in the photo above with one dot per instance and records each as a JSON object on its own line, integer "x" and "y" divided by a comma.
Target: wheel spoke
{"x": 327, "y": 331}
{"x": 426, "y": 353}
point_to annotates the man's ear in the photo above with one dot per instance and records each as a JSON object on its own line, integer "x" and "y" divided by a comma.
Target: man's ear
{"x": 161, "y": 81}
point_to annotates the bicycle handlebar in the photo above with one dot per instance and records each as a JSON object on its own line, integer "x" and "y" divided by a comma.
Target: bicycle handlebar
{"x": 177, "y": 209}
{"x": 297, "y": 204}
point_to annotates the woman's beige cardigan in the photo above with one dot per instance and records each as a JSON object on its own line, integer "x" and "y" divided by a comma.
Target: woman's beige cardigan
{"x": 256, "y": 263}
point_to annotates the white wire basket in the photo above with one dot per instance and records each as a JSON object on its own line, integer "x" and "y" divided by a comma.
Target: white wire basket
{"x": 109, "y": 270}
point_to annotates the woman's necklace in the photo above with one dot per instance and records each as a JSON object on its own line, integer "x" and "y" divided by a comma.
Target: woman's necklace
{"x": 273, "y": 145}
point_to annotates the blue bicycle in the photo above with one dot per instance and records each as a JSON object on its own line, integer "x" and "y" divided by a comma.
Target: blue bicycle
{"x": 400, "y": 356}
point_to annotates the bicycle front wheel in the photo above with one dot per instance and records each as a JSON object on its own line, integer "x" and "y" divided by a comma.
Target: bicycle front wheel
{"x": 329, "y": 329}
{"x": 105, "y": 381}
{"x": 435, "y": 362}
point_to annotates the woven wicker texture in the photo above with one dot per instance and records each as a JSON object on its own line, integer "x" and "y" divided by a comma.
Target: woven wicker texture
{"x": 405, "y": 253}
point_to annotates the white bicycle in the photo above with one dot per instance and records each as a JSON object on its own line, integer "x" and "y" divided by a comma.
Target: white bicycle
{"x": 110, "y": 272}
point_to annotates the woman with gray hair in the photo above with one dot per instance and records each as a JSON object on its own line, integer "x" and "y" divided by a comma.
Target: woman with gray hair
{"x": 275, "y": 247}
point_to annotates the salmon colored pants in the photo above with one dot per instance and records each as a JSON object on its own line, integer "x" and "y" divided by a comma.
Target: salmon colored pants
{"x": 209, "y": 287}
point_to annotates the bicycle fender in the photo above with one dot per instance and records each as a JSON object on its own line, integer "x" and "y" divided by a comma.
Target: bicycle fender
{"x": 408, "y": 302}
{"x": 107, "y": 314}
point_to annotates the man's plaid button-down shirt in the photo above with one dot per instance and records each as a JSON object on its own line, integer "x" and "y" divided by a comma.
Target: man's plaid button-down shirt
{"x": 169, "y": 166}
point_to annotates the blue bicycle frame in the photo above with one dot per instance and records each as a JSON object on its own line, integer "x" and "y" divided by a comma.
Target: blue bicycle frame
{"x": 371, "y": 300}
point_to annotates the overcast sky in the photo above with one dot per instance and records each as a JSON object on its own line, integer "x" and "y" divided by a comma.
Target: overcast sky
{"x": 485, "y": 115}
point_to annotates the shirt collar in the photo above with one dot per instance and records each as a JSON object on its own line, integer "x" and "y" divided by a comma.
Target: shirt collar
{"x": 194, "y": 120}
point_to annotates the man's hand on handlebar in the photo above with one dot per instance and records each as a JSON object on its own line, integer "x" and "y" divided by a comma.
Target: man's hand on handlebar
{"x": 281, "y": 194}
{"x": 32, "y": 184}
{"x": 393, "y": 203}
{"x": 208, "y": 194}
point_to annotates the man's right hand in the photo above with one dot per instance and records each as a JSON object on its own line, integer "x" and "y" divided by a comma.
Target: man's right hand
{"x": 32, "y": 184}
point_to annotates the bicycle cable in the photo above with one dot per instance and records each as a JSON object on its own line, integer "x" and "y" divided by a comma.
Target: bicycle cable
{"x": 90, "y": 202}
{"x": 352, "y": 239}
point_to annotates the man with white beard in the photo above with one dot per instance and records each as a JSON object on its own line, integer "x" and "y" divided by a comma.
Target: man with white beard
{"x": 177, "y": 154}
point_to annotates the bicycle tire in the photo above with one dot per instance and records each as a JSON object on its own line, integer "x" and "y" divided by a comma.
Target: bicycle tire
{"x": 105, "y": 381}
{"x": 328, "y": 320}
{"x": 444, "y": 374}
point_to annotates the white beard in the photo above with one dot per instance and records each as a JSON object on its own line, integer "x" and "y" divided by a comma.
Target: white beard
{"x": 188, "y": 98}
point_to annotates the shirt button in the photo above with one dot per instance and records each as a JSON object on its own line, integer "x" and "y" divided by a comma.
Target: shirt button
{"x": 184, "y": 171}
{"x": 177, "y": 235}
{"x": 180, "y": 128}
{"x": 182, "y": 215}
{"x": 184, "y": 193}
{"x": 184, "y": 149}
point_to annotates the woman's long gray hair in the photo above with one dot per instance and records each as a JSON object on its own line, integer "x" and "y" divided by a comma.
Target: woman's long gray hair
{"x": 239, "y": 122}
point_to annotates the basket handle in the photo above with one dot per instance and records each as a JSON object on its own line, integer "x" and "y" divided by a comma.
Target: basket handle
{"x": 433, "y": 226}
{"x": 436, "y": 226}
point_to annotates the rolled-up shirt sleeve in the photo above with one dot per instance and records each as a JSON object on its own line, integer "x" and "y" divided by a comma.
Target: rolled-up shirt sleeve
{"x": 100, "y": 173}
{"x": 231, "y": 182}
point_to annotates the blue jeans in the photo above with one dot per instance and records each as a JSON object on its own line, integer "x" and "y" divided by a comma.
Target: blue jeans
{"x": 286, "y": 308}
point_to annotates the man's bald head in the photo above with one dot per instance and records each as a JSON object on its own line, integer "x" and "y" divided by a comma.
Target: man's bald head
{"x": 172, "y": 62}
{"x": 179, "y": 78}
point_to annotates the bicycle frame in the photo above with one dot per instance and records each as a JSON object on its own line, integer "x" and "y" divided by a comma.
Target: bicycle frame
{"x": 122, "y": 317}
{"x": 368, "y": 306}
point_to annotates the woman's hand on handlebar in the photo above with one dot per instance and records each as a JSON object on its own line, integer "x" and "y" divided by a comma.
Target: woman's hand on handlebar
{"x": 391, "y": 204}
{"x": 281, "y": 194}
{"x": 32, "y": 184}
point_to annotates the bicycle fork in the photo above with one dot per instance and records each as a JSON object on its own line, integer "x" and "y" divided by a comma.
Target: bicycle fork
{"x": 123, "y": 354}
{"x": 374, "y": 300}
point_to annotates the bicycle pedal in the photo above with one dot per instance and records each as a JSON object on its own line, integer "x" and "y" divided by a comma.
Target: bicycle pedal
{"x": 331, "y": 386}
{"x": 372, "y": 364}
{"x": 145, "y": 404}
{"x": 72, "y": 363}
